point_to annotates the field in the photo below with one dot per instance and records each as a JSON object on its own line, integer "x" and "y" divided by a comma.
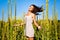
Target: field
{"x": 50, "y": 26}
{"x": 49, "y": 31}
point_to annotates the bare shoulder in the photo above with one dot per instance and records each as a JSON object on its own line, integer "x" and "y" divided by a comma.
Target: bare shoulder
{"x": 25, "y": 15}
{"x": 33, "y": 15}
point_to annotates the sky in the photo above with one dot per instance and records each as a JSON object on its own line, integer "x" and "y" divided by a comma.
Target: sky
{"x": 23, "y": 5}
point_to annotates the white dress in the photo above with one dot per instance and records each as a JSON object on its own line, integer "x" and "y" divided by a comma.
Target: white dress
{"x": 29, "y": 31}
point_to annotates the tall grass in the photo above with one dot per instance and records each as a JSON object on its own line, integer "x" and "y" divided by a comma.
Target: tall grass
{"x": 48, "y": 32}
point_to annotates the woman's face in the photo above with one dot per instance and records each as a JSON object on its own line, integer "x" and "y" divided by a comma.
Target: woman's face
{"x": 31, "y": 8}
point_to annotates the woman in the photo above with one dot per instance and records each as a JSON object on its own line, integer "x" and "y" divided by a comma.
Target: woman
{"x": 30, "y": 18}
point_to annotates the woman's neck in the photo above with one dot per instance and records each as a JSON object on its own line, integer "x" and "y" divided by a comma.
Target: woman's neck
{"x": 29, "y": 12}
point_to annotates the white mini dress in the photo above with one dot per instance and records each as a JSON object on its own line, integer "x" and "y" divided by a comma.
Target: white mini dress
{"x": 29, "y": 31}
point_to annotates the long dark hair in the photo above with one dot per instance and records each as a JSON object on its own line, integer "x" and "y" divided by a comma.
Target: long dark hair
{"x": 36, "y": 9}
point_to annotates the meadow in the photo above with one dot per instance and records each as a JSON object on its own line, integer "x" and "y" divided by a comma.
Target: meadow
{"x": 50, "y": 27}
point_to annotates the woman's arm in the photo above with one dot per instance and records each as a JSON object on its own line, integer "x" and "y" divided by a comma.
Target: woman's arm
{"x": 23, "y": 23}
{"x": 35, "y": 23}
{"x": 20, "y": 24}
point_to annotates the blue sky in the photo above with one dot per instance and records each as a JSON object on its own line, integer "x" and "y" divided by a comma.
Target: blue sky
{"x": 23, "y": 5}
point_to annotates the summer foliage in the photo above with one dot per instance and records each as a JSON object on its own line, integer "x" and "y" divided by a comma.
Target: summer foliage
{"x": 50, "y": 27}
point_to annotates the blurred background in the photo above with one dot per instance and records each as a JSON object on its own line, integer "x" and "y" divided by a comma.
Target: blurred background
{"x": 13, "y": 11}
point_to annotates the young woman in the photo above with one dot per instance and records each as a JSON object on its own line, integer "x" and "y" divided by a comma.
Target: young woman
{"x": 30, "y": 18}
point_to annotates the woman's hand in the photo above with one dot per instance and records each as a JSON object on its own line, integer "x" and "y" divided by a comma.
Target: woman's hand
{"x": 16, "y": 24}
{"x": 39, "y": 27}
{"x": 22, "y": 24}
